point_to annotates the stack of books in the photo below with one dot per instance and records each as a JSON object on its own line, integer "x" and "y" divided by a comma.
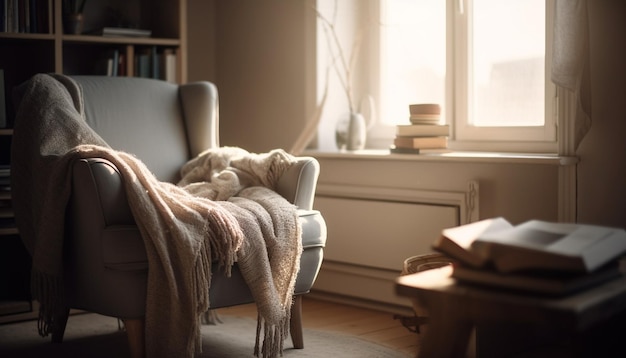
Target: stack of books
{"x": 423, "y": 130}
{"x": 7, "y": 218}
{"x": 535, "y": 257}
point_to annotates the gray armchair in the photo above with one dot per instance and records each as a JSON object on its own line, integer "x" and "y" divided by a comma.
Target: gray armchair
{"x": 164, "y": 125}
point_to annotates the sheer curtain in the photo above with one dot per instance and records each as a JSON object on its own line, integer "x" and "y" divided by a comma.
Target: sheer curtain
{"x": 571, "y": 58}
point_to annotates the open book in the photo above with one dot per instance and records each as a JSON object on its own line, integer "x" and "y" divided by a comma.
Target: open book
{"x": 532, "y": 246}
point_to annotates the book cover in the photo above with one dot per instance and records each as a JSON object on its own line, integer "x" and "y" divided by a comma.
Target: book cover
{"x": 167, "y": 63}
{"x": 423, "y": 130}
{"x": 10, "y": 16}
{"x": 421, "y": 142}
{"x": 142, "y": 64}
{"x": 533, "y": 245}
{"x": 399, "y": 150}
{"x": 123, "y": 31}
{"x": 426, "y": 117}
{"x": 457, "y": 241}
{"x": 154, "y": 63}
{"x": 108, "y": 64}
{"x": 425, "y": 108}
{"x": 553, "y": 284}
{"x": 3, "y": 16}
{"x": 121, "y": 65}
{"x": 3, "y": 107}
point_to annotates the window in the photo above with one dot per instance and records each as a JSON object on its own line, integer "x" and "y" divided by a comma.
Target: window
{"x": 485, "y": 61}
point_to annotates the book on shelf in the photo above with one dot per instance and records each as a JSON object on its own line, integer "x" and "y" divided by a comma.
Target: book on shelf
{"x": 546, "y": 283}
{"x": 154, "y": 63}
{"x": 142, "y": 64}
{"x": 147, "y": 63}
{"x": 121, "y": 64}
{"x": 3, "y": 107}
{"x": 168, "y": 65}
{"x": 5, "y": 199}
{"x": 5, "y": 170}
{"x": 109, "y": 64}
{"x": 399, "y": 150}
{"x": 534, "y": 245}
{"x": 26, "y": 16}
{"x": 422, "y": 130}
{"x": 11, "y": 16}
{"x": 425, "y": 108}
{"x": 426, "y": 117}
{"x": 424, "y": 121}
{"x": 3, "y": 16}
{"x": 421, "y": 142}
{"x": 424, "y": 113}
{"x": 123, "y": 32}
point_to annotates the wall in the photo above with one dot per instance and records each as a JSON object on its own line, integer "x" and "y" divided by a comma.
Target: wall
{"x": 261, "y": 67}
{"x": 602, "y": 168}
{"x": 201, "y": 41}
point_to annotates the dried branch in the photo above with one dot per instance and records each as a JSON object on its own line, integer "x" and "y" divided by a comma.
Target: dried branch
{"x": 309, "y": 130}
{"x": 342, "y": 66}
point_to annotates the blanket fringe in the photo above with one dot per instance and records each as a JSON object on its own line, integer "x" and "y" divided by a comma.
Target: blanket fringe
{"x": 224, "y": 238}
{"x": 274, "y": 336}
{"x": 48, "y": 290}
{"x": 202, "y": 280}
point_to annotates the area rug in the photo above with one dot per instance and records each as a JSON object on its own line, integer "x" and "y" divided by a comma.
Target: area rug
{"x": 95, "y": 336}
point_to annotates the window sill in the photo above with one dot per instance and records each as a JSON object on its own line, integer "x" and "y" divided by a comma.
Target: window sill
{"x": 449, "y": 156}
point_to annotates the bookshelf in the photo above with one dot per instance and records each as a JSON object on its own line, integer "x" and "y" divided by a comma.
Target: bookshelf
{"x": 41, "y": 46}
{"x": 15, "y": 302}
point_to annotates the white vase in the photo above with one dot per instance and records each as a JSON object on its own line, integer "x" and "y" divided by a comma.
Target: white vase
{"x": 351, "y": 132}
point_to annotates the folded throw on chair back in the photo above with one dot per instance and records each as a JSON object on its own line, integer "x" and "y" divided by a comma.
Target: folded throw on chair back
{"x": 223, "y": 209}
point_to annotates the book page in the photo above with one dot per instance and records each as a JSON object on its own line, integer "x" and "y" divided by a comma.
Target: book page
{"x": 562, "y": 238}
{"x": 465, "y": 235}
{"x": 552, "y": 246}
{"x": 532, "y": 234}
{"x": 580, "y": 239}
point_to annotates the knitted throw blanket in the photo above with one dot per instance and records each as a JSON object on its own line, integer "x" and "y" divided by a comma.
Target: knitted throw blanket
{"x": 224, "y": 209}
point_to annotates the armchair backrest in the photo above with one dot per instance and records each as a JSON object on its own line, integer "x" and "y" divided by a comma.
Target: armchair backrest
{"x": 163, "y": 124}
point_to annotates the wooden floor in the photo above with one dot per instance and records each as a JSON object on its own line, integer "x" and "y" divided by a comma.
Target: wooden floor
{"x": 367, "y": 324}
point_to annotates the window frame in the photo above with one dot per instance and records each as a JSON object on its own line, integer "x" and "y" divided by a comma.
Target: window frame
{"x": 538, "y": 139}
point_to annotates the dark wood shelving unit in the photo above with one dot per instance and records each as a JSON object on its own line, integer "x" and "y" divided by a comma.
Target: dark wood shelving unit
{"x": 50, "y": 50}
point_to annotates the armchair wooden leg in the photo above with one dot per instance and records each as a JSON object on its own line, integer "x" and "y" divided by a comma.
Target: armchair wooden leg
{"x": 135, "y": 331}
{"x": 295, "y": 327}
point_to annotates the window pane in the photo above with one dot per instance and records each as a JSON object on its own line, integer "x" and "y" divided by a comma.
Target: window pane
{"x": 507, "y": 63}
{"x": 413, "y": 56}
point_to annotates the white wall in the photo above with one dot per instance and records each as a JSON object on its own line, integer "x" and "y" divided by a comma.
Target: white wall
{"x": 262, "y": 67}
{"x": 201, "y": 41}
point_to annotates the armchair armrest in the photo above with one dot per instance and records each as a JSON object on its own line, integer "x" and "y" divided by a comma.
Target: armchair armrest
{"x": 299, "y": 182}
{"x": 97, "y": 181}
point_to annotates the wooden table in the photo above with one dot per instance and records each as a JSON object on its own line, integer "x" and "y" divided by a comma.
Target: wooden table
{"x": 507, "y": 323}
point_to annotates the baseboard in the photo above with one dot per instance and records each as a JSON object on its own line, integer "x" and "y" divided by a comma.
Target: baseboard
{"x": 360, "y": 302}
